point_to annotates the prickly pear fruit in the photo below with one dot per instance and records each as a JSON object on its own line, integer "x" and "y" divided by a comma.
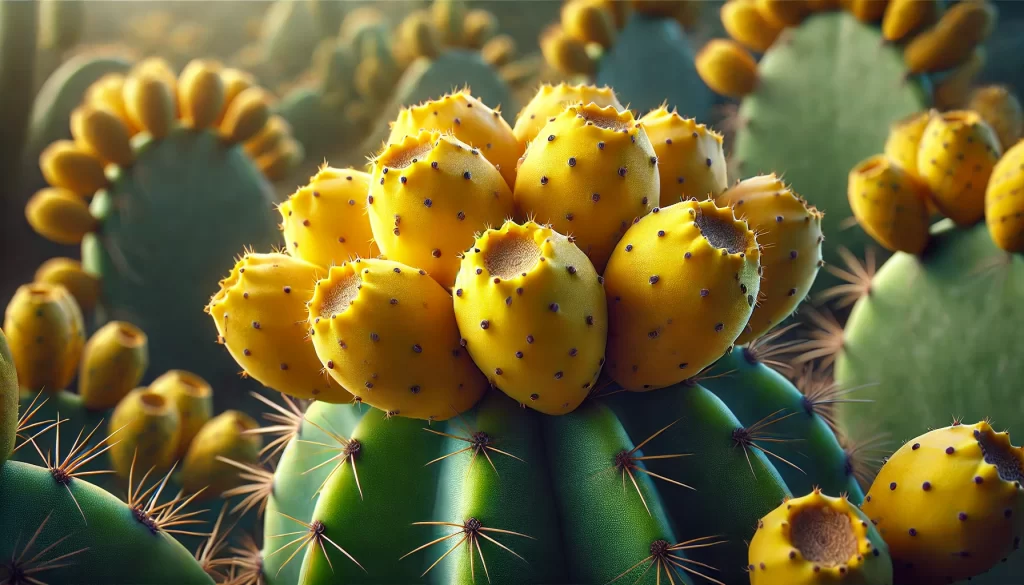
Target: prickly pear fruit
{"x": 866, "y": 11}
{"x": 325, "y": 222}
{"x": 260, "y": 311}
{"x": 727, "y": 68}
{"x": 478, "y": 27}
{"x": 745, "y": 23}
{"x": 588, "y": 21}
{"x": 782, "y": 13}
{"x": 564, "y": 53}
{"x": 953, "y": 89}
{"x": 818, "y": 539}
{"x": 789, "y": 237}
{"x": 449, "y": 17}
{"x": 681, "y": 286}
{"x": 113, "y": 363}
{"x": 589, "y": 173}
{"x": 890, "y": 204}
{"x": 192, "y": 397}
{"x": 430, "y": 194}
{"x": 1004, "y": 201}
{"x": 904, "y": 140}
{"x": 551, "y": 100}
{"x": 418, "y": 37}
{"x": 903, "y": 17}
{"x": 149, "y": 103}
{"x": 8, "y": 400}
{"x": 949, "y": 503}
{"x": 469, "y": 120}
{"x": 269, "y": 139}
{"x": 691, "y": 162}
{"x": 367, "y": 314}
{"x": 69, "y": 273}
{"x": 1001, "y": 110}
{"x": 46, "y": 334}
{"x": 200, "y": 93}
{"x": 73, "y": 168}
{"x": 950, "y": 42}
{"x": 955, "y": 159}
{"x": 533, "y": 313}
{"x": 147, "y": 427}
{"x": 102, "y": 134}
{"x": 228, "y": 435}
{"x": 246, "y": 115}
{"x": 499, "y": 51}
{"x": 235, "y": 82}
{"x": 60, "y": 216}
{"x": 107, "y": 93}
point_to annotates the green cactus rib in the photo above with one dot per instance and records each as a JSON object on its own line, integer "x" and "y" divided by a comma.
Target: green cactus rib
{"x": 111, "y": 546}
{"x": 187, "y": 199}
{"x": 635, "y": 67}
{"x": 939, "y": 336}
{"x": 827, "y": 93}
{"x": 757, "y": 393}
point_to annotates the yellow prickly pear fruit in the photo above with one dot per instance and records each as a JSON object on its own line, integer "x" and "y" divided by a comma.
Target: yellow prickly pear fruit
{"x": 45, "y": 331}
{"x": 274, "y": 132}
{"x": 277, "y": 163}
{"x": 228, "y": 435}
{"x": 60, "y": 216}
{"x": 430, "y": 194}
{"x": 150, "y": 104}
{"x": 103, "y": 134}
{"x": 417, "y": 35}
{"x": 818, "y": 539}
{"x": 1001, "y": 110}
{"x": 783, "y": 13}
{"x": 8, "y": 400}
{"x": 564, "y": 53}
{"x": 498, "y": 51}
{"x": 588, "y": 174}
{"x": 903, "y": 17}
{"x": 789, "y": 237}
{"x": 727, "y": 68}
{"x": 69, "y": 273}
{"x": 201, "y": 93}
{"x": 388, "y": 333}
{"x": 681, "y": 286}
{"x": 246, "y": 115}
{"x": 744, "y": 22}
{"x": 449, "y": 18}
{"x": 235, "y": 81}
{"x": 469, "y": 120}
{"x": 904, "y": 139}
{"x": 113, "y": 363}
{"x": 890, "y": 204}
{"x": 191, "y": 397}
{"x": 1004, "y": 201}
{"x": 70, "y": 166}
{"x": 373, "y": 78}
{"x": 532, "y": 311}
{"x": 691, "y": 162}
{"x": 260, "y": 312}
{"x": 478, "y": 27}
{"x": 107, "y": 93}
{"x": 325, "y": 222}
{"x": 588, "y": 21}
{"x": 551, "y": 100}
{"x": 954, "y": 89}
{"x": 867, "y": 11}
{"x": 955, "y": 159}
{"x": 949, "y": 503}
{"x": 160, "y": 69}
{"x": 147, "y": 427}
{"x": 950, "y": 42}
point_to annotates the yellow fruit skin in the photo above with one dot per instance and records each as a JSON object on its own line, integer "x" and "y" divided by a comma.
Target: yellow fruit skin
{"x": 469, "y": 120}
{"x": 676, "y": 302}
{"x": 227, "y": 435}
{"x": 269, "y": 138}
{"x": 745, "y": 23}
{"x": 551, "y": 100}
{"x": 727, "y": 68}
{"x": 396, "y": 344}
{"x": 537, "y": 327}
{"x": 235, "y": 82}
{"x": 325, "y": 222}
{"x": 102, "y": 134}
{"x": 60, "y": 216}
{"x": 903, "y": 17}
{"x": 868, "y": 11}
{"x": 783, "y": 13}
{"x": 955, "y": 159}
{"x": 588, "y": 21}
{"x": 789, "y": 235}
{"x": 499, "y": 51}
{"x": 69, "y": 166}
{"x": 1001, "y": 110}
{"x": 246, "y": 115}
{"x": 430, "y": 194}
{"x": 691, "y": 162}
{"x": 950, "y": 42}
{"x": 904, "y": 139}
{"x": 1004, "y": 201}
{"x": 201, "y": 93}
{"x": 45, "y": 333}
{"x": 589, "y": 173}
{"x": 113, "y": 363}
{"x": 192, "y": 397}
{"x": 890, "y": 204}
{"x": 260, "y": 313}
{"x": 9, "y": 392}
{"x": 478, "y": 27}
{"x": 945, "y": 512}
{"x": 775, "y": 558}
{"x": 565, "y": 54}
{"x": 149, "y": 103}
{"x": 107, "y": 93}
{"x": 147, "y": 428}
{"x": 69, "y": 273}
{"x": 954, "y": 89}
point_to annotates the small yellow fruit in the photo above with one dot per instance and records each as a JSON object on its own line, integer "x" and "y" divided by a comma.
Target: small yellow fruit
{"x": 192, "y": 397}
{"x": 113, "y": 363}
{"x": 147, "y": 427}
{"x": 727, "y": 68}
{"x": 890, "y": 204}
{"x": 1004, "y": 201}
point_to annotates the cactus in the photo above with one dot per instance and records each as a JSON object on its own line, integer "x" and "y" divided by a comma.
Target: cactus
{"x": 68, "y": 273}
{"x": 949, "y": 503}
{"x": 8, "y": 400}
{"x": 818, "y": 539}
{"x": 45, "y": 331}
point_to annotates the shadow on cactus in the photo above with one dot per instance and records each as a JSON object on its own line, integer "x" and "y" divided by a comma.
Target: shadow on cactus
{"x": 163, "y": 171}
